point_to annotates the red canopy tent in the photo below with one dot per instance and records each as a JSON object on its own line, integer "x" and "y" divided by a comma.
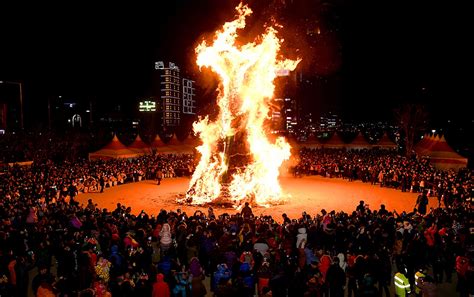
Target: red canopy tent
{"x": 385, "y": 142}
{"x": 359, "y": 142}
{"x": 138, "y": 145}
{"x": 174, "y": 146}
{"x": 114, "y": 150}
{"x": 311, "y": 142}
{"x": 334, "y": 142}
{"x": 425, "y": 144}
{"x": 173, "y": 140}
{"x": 157, "y": 142}
{"x": 443, "y": 156}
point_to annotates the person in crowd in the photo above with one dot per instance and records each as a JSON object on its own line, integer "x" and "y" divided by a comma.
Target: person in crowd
{"x": 422, "y": 202}
{"x": 159, "y": 176}
{"x": 160, "y": 287}
{"x": 247, "y": 211}
{"x": 336, "y": 279}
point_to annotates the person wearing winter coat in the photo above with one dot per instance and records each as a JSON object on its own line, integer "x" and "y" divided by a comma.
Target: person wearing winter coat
{"x": 197, "y": 287}
{"x": 302, "y": 235}
{"x": 342, "y": 261}
{"x": 182, "y": 286}
{"x": 195, "y": 268}
{"x": 336, "y": 279}
{"x": 160, "y": 287}
{"x": 222, "y": 274}
{"x": 165, "y": 237}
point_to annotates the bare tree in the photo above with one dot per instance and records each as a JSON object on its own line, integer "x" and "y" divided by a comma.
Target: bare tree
{"x": 411, "y": 119}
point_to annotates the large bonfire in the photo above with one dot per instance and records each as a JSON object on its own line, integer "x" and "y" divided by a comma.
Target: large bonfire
{"x": 238, "y": 161}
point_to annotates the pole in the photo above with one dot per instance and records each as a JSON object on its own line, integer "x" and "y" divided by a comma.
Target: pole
{"x": 90, "y": 114}
{"x": 21, "y": 106}
{"x": 49, "y": 113}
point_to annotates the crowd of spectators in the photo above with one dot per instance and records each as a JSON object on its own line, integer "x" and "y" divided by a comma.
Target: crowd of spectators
{"x": 52, "y": 180}
{"x": 387, "y": 169}
{"x": 86, "y": 251}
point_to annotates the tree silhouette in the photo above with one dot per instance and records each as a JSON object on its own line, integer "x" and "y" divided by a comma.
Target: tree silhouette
{"x": 411, "y": 119}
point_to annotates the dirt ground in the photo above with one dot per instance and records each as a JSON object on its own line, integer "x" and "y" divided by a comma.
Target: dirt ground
{"x": 310, "y": 194}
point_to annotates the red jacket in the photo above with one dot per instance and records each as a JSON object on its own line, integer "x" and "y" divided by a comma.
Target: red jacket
{"x": 160, "y": 288}
{"x": 430, "y": 236}
{"x": 324, "y": 264}
{"x": 462, "y": 264}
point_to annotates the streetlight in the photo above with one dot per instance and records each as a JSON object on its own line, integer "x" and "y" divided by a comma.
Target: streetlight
{"x": 21, "y": 98}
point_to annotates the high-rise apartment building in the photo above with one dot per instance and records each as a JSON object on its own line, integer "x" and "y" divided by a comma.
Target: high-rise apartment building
{"x": 170, "y": 93}
{"x": 189, "y": 103}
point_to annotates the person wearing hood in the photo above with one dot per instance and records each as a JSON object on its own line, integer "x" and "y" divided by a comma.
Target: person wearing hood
{"x": 165, "y": 237}
{"x": 160, "y": 287}
{"x": 222, "y": 274}
{"x": 197, "y": 286}
{"x": 195, "y": 268}
{"x": 336, "y": 278}
{"x": 261, "y": 246}
{"x": 342, "y": 261}
{"x": 116, "y": 260}
{"x": 302, "y": 235}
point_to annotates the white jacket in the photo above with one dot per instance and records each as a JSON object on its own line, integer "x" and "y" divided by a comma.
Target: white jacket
{"x": 301, "y": 235}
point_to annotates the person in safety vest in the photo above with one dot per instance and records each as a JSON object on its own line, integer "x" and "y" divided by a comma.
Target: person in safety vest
{"x": 402, "y": 285}
{"x": 419, "y": 277}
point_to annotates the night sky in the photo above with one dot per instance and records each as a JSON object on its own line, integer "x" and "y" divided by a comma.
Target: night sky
{"x": 368, "y": 57}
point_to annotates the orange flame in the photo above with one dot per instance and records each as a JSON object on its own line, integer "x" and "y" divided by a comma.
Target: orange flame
{"x": 245, "y": 91}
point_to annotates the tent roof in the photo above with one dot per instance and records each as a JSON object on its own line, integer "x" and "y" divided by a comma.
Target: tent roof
{"x": 335, "y": 141}
{"x": 311, "y": 142}
{"x": 425, "y": 144}
{"x": 113, "y": 150}
{"x": 157, "y": 142}
{"x": 138, "y": 143}
{"x": 114, "y": 154}
{"x": 115, "y": 144}
{"x": 386, "y": 142}
{"x": 441, "y": 154}
{"x": 174, "y": 140}
{"x": 359, "y": 141}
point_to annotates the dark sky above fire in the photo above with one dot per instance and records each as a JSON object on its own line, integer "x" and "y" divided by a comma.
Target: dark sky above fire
{"x": 360, "y": 58}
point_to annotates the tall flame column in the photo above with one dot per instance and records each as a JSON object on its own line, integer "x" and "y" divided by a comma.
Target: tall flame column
{"x": 246, "y": 88}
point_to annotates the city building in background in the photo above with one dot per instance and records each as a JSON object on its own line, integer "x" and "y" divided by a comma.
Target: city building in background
{"x": 277, "y": 116}
{"x": 285, "y": 110}
{"x": 170, "y": 93}
{"x": 307, "y": 124}
{"x": 68, "y": 112}
{"x": 147, "y": 106}
{"x": 291, "y": 115}
{"x": 330, "y": 122}
{"x": 189, "y": 103}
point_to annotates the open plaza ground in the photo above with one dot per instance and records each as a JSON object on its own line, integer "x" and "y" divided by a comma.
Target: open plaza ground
{"x": 310, "y": 194}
